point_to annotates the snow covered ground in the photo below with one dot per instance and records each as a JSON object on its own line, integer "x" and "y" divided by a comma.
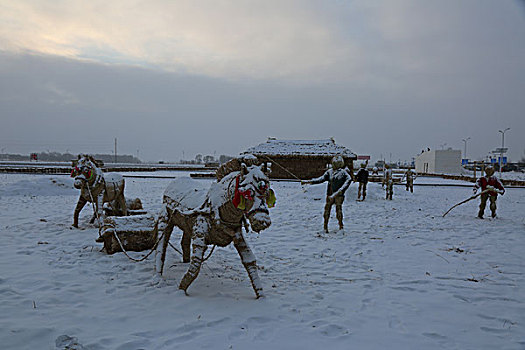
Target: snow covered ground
{"x": 507, "y": 175}
{"x": 400, "y": 276}
{"x": 512, "y": 175}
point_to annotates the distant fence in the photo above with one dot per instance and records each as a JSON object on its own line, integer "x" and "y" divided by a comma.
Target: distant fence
{"x": 505, "y": 182}
{"x": 63, "y": 170}
{"x": 39, "y": 170}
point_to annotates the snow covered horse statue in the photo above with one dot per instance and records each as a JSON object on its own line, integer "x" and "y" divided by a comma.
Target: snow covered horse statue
{"x": 98, "y": 188}
{"x": 215, "y": 216}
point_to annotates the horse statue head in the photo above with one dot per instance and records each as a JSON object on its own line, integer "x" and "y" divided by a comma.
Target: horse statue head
{"x": 85, "y": 171}
{"x": 253, "y": 196}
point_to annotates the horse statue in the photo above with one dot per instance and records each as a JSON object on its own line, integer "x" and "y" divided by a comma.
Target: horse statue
{"x": 98, "y": 188}
{"x": 215, "y": 216}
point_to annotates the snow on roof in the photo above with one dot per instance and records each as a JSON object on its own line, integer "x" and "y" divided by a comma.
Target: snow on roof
{"x": 300, "y": 148}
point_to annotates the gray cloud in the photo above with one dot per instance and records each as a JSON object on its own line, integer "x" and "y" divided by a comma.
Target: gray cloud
{"x": 381, "y": 77}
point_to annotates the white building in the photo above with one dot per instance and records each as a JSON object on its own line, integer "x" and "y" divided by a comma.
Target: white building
{"x": 446, "y": 161}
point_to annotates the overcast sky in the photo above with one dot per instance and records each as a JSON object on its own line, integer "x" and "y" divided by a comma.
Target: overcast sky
{"x": 174, "y": 78}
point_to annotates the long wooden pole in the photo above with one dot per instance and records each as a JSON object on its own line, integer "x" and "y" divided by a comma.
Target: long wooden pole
{"x": 466, "y": 200}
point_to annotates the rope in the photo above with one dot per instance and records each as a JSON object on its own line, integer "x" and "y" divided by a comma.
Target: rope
{"x": 154, "y": 246}
{"x": 211, "y": 251}
{"x": 273, "y": 161}
{"x": 203, "y": 260}
{"x": 288, "y": 171}
{"x": 126, "y": 253}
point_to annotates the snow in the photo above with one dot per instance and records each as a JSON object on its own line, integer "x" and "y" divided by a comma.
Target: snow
{"x": 399, "y": 277}
{"x": 186, "y": 193}
{"x": 300, "y": 147}
{"x": 512, "y": 175}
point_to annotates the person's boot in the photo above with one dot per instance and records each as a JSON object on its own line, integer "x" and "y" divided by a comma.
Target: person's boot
{"x": 480, "y": 215}
{"x": 493, "y": 214}
{"x": 325, "y": 226}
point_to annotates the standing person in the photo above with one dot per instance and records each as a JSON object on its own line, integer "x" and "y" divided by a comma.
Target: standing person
{"x": 388, "y": 182}
{"x": 339, "y": 180}
{"x": 494, "y": 185}
{"x": 410, "y": 176}
{"x": 362, "y": 178}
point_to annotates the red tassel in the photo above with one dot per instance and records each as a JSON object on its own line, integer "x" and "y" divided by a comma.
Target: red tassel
{"x": 237, "y": 196}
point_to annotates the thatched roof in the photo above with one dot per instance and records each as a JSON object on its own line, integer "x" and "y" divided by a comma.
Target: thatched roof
{"x": 300, "y": 148}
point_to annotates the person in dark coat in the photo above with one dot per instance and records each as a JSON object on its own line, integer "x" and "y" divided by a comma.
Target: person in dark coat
{"x": 362, "y": 178}
{"x": 339, "y": 180}
{"x": 410, "y": 177}
{"x": 388, "y": 181}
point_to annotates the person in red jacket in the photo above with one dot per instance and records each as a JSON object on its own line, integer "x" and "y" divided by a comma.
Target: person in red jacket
{"x": 495, "y": 187}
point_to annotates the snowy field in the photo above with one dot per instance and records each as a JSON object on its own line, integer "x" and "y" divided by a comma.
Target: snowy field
{"x": 400, "y": 276}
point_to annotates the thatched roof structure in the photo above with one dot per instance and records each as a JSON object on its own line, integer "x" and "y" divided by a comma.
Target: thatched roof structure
{"x": 302, "y": 159}
{"x": 298, "y": 148}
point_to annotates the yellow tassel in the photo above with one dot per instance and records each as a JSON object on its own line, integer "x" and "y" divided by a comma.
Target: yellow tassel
{"x": 271, "y": 199}
{"x": 242, "y": 204}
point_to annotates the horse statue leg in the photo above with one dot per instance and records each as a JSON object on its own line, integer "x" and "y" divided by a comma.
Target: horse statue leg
{"x": 249, "y": 262}
{"x": 200, "y": 228}
{"x": 121, "y": 199}
{"x": 99, "y": 209}
{"x": 80, "y": 204}
{"x": 185, "y": 244}
{"x": 121, "y": 203}
{"x": 168, "y": 229}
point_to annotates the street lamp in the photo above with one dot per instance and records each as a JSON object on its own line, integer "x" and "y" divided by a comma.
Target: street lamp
{"x": 465, "y": 140}
{"x": 503, "y": 137}
{"x": 502, "y": 147}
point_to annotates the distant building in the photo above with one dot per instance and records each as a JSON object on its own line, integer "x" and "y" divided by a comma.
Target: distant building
{"x": 303, "y": 159}
{"x": 439, "y": 162}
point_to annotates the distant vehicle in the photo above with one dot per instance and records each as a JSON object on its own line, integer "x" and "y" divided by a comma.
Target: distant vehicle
{"x": 472, "y": 167}
{"x": 161, "y": 162}
{"x": 211, "y": 164}
{"x": 509, "y": 167}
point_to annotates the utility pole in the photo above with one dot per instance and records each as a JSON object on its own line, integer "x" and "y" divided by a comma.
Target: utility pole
{"x": 115, "y": 149}
{"x": 465, "y": 140}
{"x": 503, "y": 150}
